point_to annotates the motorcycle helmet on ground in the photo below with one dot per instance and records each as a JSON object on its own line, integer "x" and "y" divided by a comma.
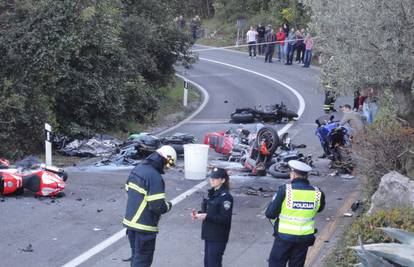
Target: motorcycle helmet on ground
{"x": 169, "y": 154}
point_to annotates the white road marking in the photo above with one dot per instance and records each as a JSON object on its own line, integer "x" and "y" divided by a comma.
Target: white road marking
{"x": 117, "y": 236}
{"x": 295, "y": 92}
{"x": 206, "y": 121}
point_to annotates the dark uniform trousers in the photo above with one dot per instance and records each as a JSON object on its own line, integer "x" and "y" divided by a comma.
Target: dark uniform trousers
{"x": 142, "y": 247}
{"x": 284, "y": 251}
{"x": 213, "y": 253}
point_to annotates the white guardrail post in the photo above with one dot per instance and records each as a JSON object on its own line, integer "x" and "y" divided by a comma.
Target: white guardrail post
{"x": 48, "y": 144}
{"x": 185, "y": 99}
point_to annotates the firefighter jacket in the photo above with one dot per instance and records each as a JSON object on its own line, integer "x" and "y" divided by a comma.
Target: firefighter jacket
{"x": 293, "y": 211}
{"x": 219, "y": 208}
{"x": 146, "y": 195}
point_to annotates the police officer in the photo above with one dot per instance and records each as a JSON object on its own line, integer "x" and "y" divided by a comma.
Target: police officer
{"x": 146, "y": 202}
{"x": 293, "y": 211}
{"x": 216, "y": 213}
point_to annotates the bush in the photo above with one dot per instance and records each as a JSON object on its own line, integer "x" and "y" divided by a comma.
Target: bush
{"x": 367, "y": 228}
{"x": 83, "y": 66}
{"x": 381, "y": 150}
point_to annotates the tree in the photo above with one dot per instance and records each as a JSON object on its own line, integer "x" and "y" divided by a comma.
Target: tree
{"x": 368, "y": 43}
{"x": 85, "y": 66}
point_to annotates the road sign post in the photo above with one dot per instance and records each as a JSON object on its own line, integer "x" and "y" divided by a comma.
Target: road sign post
{"x": 185, "y": 93}
{"x": 48, "y": 144}
{"x": 240, "y": 24}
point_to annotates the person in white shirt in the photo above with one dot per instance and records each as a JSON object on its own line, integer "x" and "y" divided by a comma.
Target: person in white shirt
{"x": 251, "y": 36}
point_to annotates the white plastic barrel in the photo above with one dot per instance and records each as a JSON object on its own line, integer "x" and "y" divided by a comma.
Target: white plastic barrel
{"x": 195, "y": 161}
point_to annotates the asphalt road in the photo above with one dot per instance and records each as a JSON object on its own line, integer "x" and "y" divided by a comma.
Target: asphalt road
{"x": 92, "y": 210}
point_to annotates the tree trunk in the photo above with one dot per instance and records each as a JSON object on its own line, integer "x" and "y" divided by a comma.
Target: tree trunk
{"x": 404, "y": 96}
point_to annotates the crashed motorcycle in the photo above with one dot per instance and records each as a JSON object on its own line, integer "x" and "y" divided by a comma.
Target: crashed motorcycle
{"x": 271, "y": 114}
{"x": 287, "y": 151}
{"x": 259, "y": 155}
{"x": 43, "y": 181}
{"x": 334, "y": 140}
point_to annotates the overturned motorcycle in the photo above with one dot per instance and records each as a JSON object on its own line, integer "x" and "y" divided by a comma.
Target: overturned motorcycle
{"x": 271, "y": 114}
{"x": 46, "y": 181}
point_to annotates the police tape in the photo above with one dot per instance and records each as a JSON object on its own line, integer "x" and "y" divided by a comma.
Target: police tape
{"x": 247, "y": 45}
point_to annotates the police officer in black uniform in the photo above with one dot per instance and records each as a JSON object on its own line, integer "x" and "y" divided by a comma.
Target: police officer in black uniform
{"x": 146, "y": 202}
{"x": 216, "y": 213}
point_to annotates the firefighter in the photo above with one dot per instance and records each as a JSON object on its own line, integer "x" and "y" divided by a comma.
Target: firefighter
{"x": 216, "y": 214}
{"x": 329, "y": 103}
{"x": 292, "y": 212}
{"x": 146, "y": 202}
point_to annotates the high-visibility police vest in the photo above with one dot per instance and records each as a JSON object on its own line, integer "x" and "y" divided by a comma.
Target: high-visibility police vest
{"x": 298, "y": 211}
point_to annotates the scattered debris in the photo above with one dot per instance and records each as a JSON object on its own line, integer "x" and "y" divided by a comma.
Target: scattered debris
{"x": 139, "y": 146}
{"x": 99, "y": 210}
{"x": 100, "y": 145}
{"x": 97, "y": 229}
{"x": 347, "y": 176}
{"x": 263, "y": 192}
{"x": 128, "y": 259}
{"x": 339, "y": 198}
{"x": 29, "y": 248}
{"x": 2, "y": 200}
{"x": 79, "y": 199}
{"x": 347, "y": 214}
{"x": 335, "y": 173}
{"x": 112, "y": 200}
{"x": 355, "y": 205}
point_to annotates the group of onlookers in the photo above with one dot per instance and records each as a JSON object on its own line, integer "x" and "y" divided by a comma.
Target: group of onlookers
{"x": 285, "y": 43}
{"x": 195, "y": 25}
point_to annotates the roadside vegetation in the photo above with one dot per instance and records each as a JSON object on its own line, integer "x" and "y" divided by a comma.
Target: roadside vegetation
{"x": 83, "y": 66}
{"x": 367, "y": 229}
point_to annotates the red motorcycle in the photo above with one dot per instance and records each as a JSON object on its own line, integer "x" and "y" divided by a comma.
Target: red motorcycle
{"x": 43, "y": 181}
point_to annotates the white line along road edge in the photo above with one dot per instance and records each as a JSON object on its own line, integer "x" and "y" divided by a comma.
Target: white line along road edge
{"x": 295, "y": 92}
{"x": 117, "y": 236}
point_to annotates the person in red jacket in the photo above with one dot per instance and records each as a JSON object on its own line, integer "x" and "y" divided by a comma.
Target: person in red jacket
{"x": 280, "y": 38}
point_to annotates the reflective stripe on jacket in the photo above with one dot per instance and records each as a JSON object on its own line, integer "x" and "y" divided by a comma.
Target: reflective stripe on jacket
{"x": 298, "y": 211}
{"x": 146, "y": 195}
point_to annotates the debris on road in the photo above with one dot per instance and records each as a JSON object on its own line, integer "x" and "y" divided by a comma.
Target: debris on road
{"x": 355, "y": 205}
{"x": 98, "y": 146}
{"x": 99, "y": 210}
{"x": 97, "y": 229}
{"x": 29, "y": 248}
{"x": 347, "y": 214}
{"x": 347, "y": 176}
{"x": 263, "y": 192}
{"x": 139, "y": 146}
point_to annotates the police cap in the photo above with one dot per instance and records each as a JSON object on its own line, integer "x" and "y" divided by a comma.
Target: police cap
{"x": 299, "y": 166}
{"x": 218, "y": 173}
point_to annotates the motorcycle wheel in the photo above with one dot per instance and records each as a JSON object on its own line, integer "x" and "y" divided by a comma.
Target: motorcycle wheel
{"x": 271, "y": 137}
{"x": 242, "y": 118}
{"x": 63, "y": 176}
{"x": 275, "y": 171}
